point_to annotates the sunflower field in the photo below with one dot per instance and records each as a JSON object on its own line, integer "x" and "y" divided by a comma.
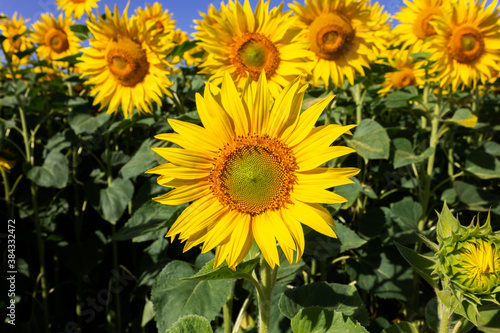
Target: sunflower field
{"x": 319, "y": 166}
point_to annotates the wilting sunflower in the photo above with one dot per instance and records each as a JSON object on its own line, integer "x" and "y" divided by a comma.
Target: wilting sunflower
{"x": 54, "y": 37}
{"x": 11, "y": 28}
{"x": 252, "y": 171}
{"x": 345, "y": 35}
{"x": 416, "y": 28}
{"x": 76, "y": 7}
{"x": 408, "y": 71}
{"x": 125, "y": 63}
{"x": 245, "y": 43}
{"x": 160, "y": 19}
{"x": 466, "y": 47}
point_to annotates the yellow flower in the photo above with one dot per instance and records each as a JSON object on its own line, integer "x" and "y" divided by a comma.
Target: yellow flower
{"x": 6, "y": 164}
{"x": 416, "y": 28}
{"x": 76, "y": 7}
{"x": 408, "y": 72}
{"x": 245, "y": 43}
{"x": 252, "y": 171}
{"x": 345, "y": 36}
{"x": 466, "y": 47}
{"x": 10, "y": 28}
{"x": 161, "y": 21}
{"x": 54, "y": 37}
{"x": 125, "y": 63}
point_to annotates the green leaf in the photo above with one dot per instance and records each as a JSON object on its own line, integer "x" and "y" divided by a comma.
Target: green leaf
{"x": 370, "y": 140}
{"x": 72, "y": 59}
{"x": 317, "y": 320}
{"x": 208, "y": 272}
{"x": 115, "y": 198}
{"x": 420, "y": 55}
{"x": 492, "y": 148}
{"x": 143, "y": 160}
{"x": 475, "y": 197}
{"x": 464, "y": 117}
{"x": 53, "y": 173}
{"x": 191, "y": 324}
{"x": 423, "y": 265}
{"x": 373, "y": 221}
{"x": 406, "y": 213}
{"x": 179, "y": 50}
{"x": 483, "y": 165}
{"x": 81, "y": 31}
{"x": 80, "y": 120}
{"x": 403, "y": 327}
{"x": 404, "y": 154}
{"x": 489, "y": 321}
{"x": 151, "y": 217}
{"x": 350, "y": 192}
{"x": 329, "y": 296}
{"x": 174, "y": 298}
{"x": 398, "y": 99}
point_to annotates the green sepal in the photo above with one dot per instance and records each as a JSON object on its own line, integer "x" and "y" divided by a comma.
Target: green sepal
{"x": 447, "y": 224}
{"x": 423, "y": 265}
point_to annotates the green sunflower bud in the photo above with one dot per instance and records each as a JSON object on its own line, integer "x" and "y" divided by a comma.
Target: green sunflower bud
{"x": 468, "y": 260}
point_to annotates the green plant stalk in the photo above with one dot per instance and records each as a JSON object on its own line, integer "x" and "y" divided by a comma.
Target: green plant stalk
{"x": 425, "y": 101}
{"x": 267, "y": 280}
{"x": 444, "y": 317}
{"x": 30, "y": 160}
{"x": 117, "y": 283}
{"x": 7, "y": 192}
{"x": 227, "y": 311}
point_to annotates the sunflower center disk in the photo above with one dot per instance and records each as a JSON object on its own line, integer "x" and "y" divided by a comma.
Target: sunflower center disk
{"x": 127, "y": 61}
{"x": 467, "y": 45}
{"x": 253, "y": 175}
{"x": 57, "y": 40}
{"x": 422, "y": 27}
{"x": 253, "y": 53}
{"x": 403, "y": 78}
{"x": 330, "y": 35}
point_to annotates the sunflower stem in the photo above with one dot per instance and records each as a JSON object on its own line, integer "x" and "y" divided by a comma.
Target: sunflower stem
{"x": 228, "y": 310}
{"x": 444, "y": 317}
{"x": 267, "y": 280}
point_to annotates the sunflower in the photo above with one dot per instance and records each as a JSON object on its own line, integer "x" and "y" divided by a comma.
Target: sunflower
{"x": 466, "y": 46}
{"x": 416, "y": 28}
{"x": 125, "y": 63}
{"x": 11, "y": 28}
{"x": 408, "y": 72}
{"x": 345, "y": 36}
{"x": 160, "y": 20}
{"x": 54, "y": 37}
{"x": 252, "y": 172}
{"x": 76, "y": 7}
{"x": 245, "y": 43}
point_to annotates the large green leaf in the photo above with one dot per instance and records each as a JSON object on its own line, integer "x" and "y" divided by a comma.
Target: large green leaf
{"x": 464, "y": 117}
{"x": 406, "y": 213}
{"x": 152, "y": 216}
{"x": 208, "y": 272}
{"x": 318, "y": 320}
{"x": 423, "y": 265}
{"x": 114, "y": 199}
{"x": 489, "y": 321}
{"x": 174, "y": 298}
{"x": 476, "y": 198}
{"x": 53, "y": 173}
{"x": 405, "y": 155}
{"x": 191, "y": 324}
{"x": 81, "y": 120}
{"x": 370, "y": 140}
{"x": 483, "y": 165}
{"x": 333, "y": 296}
{"x": 143, "y": 160}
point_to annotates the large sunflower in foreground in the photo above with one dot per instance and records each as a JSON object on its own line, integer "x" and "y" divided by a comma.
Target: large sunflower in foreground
{"x": 416, "y": 28}
{"x": 76, "y": 7}
{"x": 11, "y": 28}
{"x": 54, "y": 37}
{"x": 252, "y": 172}
{"x": 245, "y": 43}
{"x": 467, "y": 44}
{"x": 345, "y": 35}
{"x": 125, "y": 63}
{"x": 408, "y": 71}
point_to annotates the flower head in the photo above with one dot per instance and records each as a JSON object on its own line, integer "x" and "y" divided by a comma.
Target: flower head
{"x": 466, "y": 47}
{"x": 408, "y": 71}
{"x": 345, "y": 36}
{"x": 12, "y": 27}
{"x": 54, "y": 37}
{"x": 125, "y": 63}
{"x": 252, "y": 172}
{"x": 76, "y": 7}
{"x": 245, "y": 42}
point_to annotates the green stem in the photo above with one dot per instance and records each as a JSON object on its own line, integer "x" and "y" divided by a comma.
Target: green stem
{"x": 267, "y": 280}
{"x": 7, "y": 192}
{"x": 444, "y": 317}
{"x": 117, "y": 283}
{"x": 227, "y": 311}
{"x": 458, "y": 325}
{"x": 425, "y": 102}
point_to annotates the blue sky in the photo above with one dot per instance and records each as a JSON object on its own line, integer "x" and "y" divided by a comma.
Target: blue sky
{"x": 184, "y": 11}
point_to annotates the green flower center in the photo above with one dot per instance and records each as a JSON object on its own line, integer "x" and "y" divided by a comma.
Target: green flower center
{"x": 254, "y": 174}
{"x": 253, "y": 54}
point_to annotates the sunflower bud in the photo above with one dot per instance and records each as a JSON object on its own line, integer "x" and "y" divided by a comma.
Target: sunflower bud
{"x": 468, "y": 260}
